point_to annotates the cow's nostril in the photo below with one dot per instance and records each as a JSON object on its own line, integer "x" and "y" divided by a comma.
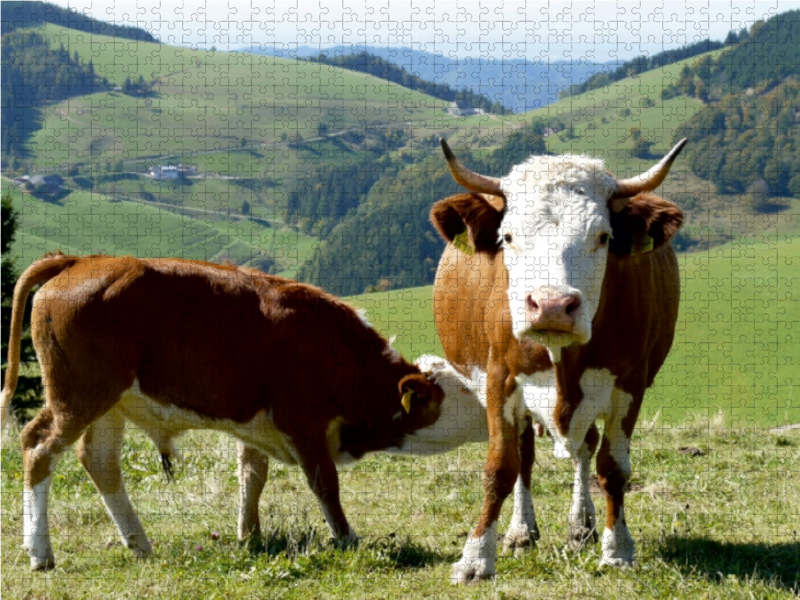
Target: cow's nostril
{"x": 531, "y": 303}
{"x": 573, "y": 306}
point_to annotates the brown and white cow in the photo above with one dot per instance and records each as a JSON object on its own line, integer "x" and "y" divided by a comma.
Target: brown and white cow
{"x": 560, "y": 293}
{"x": 172, "y": 345}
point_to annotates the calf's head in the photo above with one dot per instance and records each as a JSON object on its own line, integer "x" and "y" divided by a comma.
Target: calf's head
{"x": 560, "y": 218}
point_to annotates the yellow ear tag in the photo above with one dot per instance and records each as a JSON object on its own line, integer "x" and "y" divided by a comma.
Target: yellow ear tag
{"x": 406, "y": 402}
{"x": 462, "y": 242}
{"x": 645, "y": 246}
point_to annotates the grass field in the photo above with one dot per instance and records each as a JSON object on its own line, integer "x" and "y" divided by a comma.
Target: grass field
{"x": 722, "y": 525}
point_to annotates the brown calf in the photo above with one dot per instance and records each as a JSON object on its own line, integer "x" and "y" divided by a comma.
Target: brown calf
{"x": 171, "y": 345}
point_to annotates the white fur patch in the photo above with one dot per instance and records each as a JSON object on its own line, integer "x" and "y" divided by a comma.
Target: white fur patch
{"x": 166, "y": 420}
{"x": 478, "y": 557}
{"x": 618, "y": 545}
{"x": 523, "y": 519}
{"x": 556, "y": 211}
{"x": 36, "y": 530}
{"x": 462, "y": 419}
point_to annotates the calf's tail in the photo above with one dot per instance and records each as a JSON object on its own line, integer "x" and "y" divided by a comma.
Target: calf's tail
{"x": 39, "y": 272}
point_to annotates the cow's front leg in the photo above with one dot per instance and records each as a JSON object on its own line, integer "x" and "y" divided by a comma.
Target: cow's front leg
{"x": 323, "y": 479}
{"x": 523, "y": 531}
{"x": 582, "y": 525}
{"x": 613, "y": 472}
{"x": 253, "y": 469}
{"x": 501, "y": 471}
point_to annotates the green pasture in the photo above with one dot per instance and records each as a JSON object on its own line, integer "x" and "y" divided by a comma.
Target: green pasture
{"x": 721, "y": 525}
{"x": 209, "y": 101}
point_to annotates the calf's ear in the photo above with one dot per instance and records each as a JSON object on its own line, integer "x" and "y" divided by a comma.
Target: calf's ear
{"x": 418, "y": 393}
{"x": 469, "y": 222}
{"x": 646, "y": 223}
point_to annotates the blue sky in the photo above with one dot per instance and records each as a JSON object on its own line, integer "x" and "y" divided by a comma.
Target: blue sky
{"x": 595, "y": 31}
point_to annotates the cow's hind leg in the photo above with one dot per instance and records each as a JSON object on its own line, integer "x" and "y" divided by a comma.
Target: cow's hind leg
{"x": 253, "y": 468}
{"x": 582, "y": 525}
{"x": 99, "y": 453}
{"x": 523, "y": 532}
{"x": 44, "y": 440}
{"x": 613, "y": 472}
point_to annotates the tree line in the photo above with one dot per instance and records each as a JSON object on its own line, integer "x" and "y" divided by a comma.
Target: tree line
{"x": 744, "y": 138}
{"x": 363, "y": 62}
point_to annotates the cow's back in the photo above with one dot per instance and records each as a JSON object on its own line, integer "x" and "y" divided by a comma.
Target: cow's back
{"x": 220, "y": 341}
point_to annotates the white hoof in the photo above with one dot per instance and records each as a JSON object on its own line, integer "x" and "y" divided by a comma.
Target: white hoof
{"x": 43, "y": 564}
{"x": 617, "y": 563}
{"x": 139, "y": 545}
{"x": 618, "y": 547}
{"x": 472, "y": 570}
{"x": 477, "y": 559}
{"x": 517, "y": 540}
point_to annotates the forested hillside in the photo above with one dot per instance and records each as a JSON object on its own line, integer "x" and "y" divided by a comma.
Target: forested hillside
{"x": 388, "y": 242}
{"x": 745, "y": 138}
{"x": 33, "y": 74}
{"x": 640, "y": 64}
{"x": 15, "y": 14}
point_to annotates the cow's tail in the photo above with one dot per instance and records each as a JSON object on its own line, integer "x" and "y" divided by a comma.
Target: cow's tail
{"x": 39, "y": 272}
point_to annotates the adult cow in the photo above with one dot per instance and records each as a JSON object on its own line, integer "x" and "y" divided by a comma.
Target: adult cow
{"x": 172, "y": 345}
{"x": 560, "y": 291}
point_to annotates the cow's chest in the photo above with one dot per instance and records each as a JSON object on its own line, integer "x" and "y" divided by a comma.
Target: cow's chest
{"x": 539, "y": 399}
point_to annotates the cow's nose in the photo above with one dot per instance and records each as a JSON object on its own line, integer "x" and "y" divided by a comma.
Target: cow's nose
{"x": 552, "y": 310}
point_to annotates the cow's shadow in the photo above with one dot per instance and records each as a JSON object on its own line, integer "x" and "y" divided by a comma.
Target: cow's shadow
{"x": 403, "y": 552}
{"x": 777, "y": 564}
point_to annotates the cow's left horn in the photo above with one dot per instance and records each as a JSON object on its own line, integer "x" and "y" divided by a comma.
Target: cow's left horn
{"x": 474, "y": 182}
{"x": 647, "y": 181}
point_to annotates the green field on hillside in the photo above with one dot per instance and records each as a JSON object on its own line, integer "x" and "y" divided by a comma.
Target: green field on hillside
{"x": 210, "y": 100}
{"x": 737, "y": 344}
{"x": 87, "y": 223}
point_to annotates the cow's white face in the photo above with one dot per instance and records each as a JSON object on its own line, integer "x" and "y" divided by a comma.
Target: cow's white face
{"x": 555, "y": 235}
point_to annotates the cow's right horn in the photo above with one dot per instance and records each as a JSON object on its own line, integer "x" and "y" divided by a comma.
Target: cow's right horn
{"x": 474, "y": 182}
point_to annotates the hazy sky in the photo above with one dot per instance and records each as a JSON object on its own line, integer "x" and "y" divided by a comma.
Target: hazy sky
{"x": 515, "y": 28}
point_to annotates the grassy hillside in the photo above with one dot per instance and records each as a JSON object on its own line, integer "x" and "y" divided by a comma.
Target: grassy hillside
{"x": 737, "y": 344}
{"x": 85, "y": 223}
{"x": 207, "y": 100}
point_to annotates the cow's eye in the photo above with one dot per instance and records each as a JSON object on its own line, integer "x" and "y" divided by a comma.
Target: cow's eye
{"x": 507, "y": 238}
{"x": 602, "y": 240}
{"x": 580, "y": 191}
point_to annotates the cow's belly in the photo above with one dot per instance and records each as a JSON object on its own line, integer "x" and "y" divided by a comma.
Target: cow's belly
{"x": 539, "y": 399}
{"x": 166, "y": 421}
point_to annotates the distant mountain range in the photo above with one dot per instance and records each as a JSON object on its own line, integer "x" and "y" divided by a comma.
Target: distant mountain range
{"x": 518, "y": 84}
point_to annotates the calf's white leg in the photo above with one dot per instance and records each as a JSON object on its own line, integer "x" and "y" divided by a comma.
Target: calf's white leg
{"x": 99, "y": 453}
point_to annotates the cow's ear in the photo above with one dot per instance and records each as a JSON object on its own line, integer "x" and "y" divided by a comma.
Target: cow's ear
{"x": 646, "y": 223}
{"x": 419, "y": 394}
{"x": 469, "y": 222}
